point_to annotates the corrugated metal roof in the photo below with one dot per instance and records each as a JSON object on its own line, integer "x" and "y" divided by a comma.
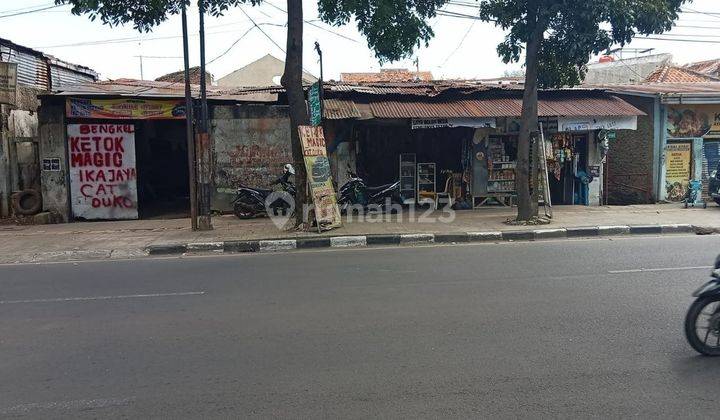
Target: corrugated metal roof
{"x": 335, "y": 109}
{"x": 34, "y": 67}
{"x": 602, "y": 105}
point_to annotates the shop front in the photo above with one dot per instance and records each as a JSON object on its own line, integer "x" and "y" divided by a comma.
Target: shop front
{"x": 122, "y": 158}
{"x": 692, "y": 148}
{"x": 472, "y": 160}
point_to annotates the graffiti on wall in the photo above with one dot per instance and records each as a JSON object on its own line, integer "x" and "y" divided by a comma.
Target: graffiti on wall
{"x": 255, "y": 164}
{"x": 103, "y": 176}
{"x": 693, "y": 122}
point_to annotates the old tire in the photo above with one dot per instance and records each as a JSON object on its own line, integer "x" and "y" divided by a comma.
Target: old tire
{"x": 27, "y": 202}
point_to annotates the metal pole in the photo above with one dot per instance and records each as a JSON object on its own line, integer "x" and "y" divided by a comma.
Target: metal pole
{"x": 205, "y": 222}
{"x": 189, "y": 126}
{"x": 320, "y": 84}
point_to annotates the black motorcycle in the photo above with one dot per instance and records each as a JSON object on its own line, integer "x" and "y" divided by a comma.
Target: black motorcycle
{"x": 258, "y": 202}
{"x": 702, "y": 323}
{"x": 356, "y": 194}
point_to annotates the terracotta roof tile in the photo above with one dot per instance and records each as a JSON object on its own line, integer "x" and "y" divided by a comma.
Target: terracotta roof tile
{"x": 387, "y": 75}
{"x": 709, "y": 67}
{"x": 673, "y": 74}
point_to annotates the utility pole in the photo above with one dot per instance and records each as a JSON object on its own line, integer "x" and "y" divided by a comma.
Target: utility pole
{"x": 320, "y": 85}
{"x": 142, "y": 75}
{"x": 189, "y": 126}
{"x": 205, "y": 149}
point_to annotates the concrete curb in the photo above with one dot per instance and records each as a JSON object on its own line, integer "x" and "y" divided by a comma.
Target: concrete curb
{"x": 362, "y": 241}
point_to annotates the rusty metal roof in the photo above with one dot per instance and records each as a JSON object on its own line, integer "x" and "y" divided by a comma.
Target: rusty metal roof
{"x": 335, "y": 109}
{"x": 563, "y": 105}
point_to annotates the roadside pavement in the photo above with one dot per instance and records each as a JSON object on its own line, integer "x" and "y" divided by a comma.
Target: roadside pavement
{"x": 129, "y": 239}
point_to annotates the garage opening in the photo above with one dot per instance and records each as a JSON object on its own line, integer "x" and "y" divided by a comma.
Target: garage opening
{"x": 163, "y": 178}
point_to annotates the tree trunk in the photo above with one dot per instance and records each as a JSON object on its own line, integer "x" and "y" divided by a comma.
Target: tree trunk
{"x": 527, "y": 209}
{"x": 292, "y": 81}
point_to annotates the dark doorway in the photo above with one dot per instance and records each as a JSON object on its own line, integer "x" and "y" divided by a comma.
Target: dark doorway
{"x": 161, "y": 153}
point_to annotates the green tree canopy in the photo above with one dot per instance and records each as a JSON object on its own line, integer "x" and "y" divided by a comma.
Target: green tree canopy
{"x": 572, "y": 30}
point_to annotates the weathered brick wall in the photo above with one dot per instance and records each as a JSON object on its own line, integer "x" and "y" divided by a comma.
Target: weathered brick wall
{"x": 630, "y": 159}
{"x": 252, "y": 143}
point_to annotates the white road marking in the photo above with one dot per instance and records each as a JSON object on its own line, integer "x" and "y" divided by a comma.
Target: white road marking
{"x": 67, "y": 405}
{"x": 76, "y": 299}
{"x": 649, "y": 270}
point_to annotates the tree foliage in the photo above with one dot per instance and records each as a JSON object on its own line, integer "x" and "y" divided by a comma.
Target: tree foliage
{"x": 572, "y": 30}
{"x": 144, "y": 14}
{"x": 393, "y": 28}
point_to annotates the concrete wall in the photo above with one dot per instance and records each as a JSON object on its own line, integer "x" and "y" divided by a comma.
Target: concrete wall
{"x": 630, "y": 159}
{"x": 252, "y": 143}
{"x": 53, "y": 145}
{"x": 18, "y": 164}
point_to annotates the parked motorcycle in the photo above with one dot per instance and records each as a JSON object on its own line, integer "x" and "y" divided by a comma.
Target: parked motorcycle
{"x": 253, "y": 202}
{"x": 356, "y": 193}
{"x": 702, "y": 323}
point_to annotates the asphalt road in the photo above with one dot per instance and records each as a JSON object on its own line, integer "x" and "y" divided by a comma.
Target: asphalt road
{"x": 544, "y": 329}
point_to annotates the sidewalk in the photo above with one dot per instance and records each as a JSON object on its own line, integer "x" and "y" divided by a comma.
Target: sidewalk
{"x": 124, "y": 239}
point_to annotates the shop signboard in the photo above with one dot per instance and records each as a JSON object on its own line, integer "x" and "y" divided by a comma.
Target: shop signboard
{"x": 677, "y": 170}
{"x": 424, "y": 123}
{"x": 8, "y": 83}
{"x": 590, "y": 123}
{"x": 103, "y": 177}
{"x": 693, "y": 121}
{"x": 317, "y": 167}
{"x": 315, "y": 103}
{"x": 125, "y": 109}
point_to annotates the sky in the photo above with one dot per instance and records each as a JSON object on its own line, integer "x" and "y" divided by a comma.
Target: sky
{"x": 461, "y": 48}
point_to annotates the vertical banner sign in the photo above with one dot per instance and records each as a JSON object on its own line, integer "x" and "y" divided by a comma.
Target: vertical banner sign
{"x": 677, "y": 170}
{"x": 314, "y": 102}
{"x": 103, "y": 177}
{"x": 8, "y": 83}
{"x": 317, "y": 166}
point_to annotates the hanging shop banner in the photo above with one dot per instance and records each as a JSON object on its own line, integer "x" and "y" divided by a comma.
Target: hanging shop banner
{"x": 677, "y": 170}
{"x": 315, "y": 104}
{"x": 8, "y": 83}
{"x": 472, "y": 122}
{"x": 693, "y": 121}
{"x": 126, "y": 109}
{"x": 625, "y": 122}
{"x": 103, "y": 177}
{"x": 317, "y": 167}
{"x": 424, "y": 123}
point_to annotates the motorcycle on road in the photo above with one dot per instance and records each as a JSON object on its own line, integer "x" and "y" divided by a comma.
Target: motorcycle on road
{"x": 257, "y": 202}
{"x": 702, "y": 322}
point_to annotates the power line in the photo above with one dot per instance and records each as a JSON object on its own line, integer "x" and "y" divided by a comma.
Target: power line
{"x": 260, "y": 29}
{"x": 701, "y": 41}
{"x": 700, "y": 12}
{"x": 311, "y": 23}
{"x": 697, "y": 27}
{"x": 231, "y": 46}
{"x": 157, "y": 38}
{"x": 472, "y": 24}
{"x": 27, "y": 12}
{"x": 2, "y": 12}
